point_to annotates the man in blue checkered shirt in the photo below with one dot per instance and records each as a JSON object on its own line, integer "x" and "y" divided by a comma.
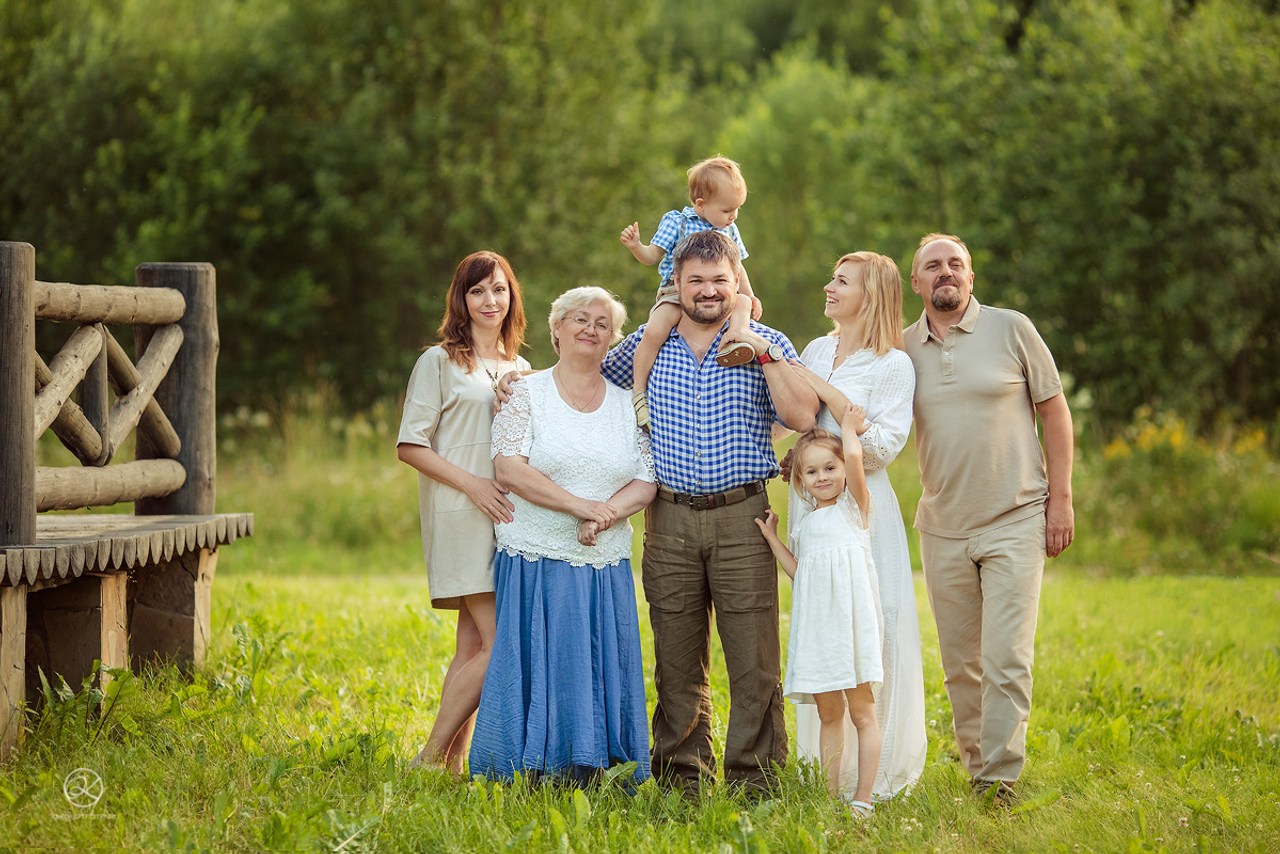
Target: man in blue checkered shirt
{"x": 710, "y": 426}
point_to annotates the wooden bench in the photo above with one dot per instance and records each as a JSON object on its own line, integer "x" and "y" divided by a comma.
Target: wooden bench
{"x": 120, "y": 589}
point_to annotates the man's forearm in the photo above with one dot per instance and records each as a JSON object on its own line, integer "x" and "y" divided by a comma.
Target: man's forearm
{"x": 793, "y": 398}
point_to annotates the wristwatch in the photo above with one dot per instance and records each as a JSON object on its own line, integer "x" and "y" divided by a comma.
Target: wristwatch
{"x": 773, "y": 354}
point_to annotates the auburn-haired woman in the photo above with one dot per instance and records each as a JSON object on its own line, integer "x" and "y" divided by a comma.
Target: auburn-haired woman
{"x": 445, "y": 435}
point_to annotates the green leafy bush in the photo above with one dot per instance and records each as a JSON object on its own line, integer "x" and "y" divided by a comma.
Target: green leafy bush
{"x": 1158, "y": 498}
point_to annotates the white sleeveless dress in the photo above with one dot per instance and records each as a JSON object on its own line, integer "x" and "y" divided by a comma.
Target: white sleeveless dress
{"x": 835, "y": 606}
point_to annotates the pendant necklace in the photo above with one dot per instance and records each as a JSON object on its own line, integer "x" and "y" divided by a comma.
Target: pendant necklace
{"x": 493, "y": 375}
{"x": 569, "y": 398}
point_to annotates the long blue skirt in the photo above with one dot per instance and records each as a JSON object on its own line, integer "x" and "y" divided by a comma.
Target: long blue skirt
{"x": 564, "y": 693}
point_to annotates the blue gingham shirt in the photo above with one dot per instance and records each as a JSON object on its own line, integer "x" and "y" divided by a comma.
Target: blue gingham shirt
{"x": 677, "y": 224}
{"x": 710, "y": 425}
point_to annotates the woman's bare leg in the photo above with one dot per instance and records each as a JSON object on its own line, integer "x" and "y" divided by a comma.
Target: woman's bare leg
{"x": 460, "y": 694}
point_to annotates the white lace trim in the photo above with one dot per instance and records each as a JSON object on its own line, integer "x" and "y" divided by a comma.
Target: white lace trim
{"x": 530, "y": 556}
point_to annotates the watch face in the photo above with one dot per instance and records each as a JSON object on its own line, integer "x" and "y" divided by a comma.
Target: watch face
{"x": 775, "y": 353}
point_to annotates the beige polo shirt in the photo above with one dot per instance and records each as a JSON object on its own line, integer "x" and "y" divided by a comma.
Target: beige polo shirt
{"x": 981, "y": 463}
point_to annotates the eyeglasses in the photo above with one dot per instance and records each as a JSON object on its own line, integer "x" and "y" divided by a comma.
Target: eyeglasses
{"x": 601, "y": 326}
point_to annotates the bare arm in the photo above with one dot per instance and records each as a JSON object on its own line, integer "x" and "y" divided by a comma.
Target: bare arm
{"x": 515, "y": 473}
{"x": 834, "y": 398}
{"x": 744, "y": 289}
{"x": 632, "y": 498}
{"x": 769, "y": 527}
{"x": 1059, "y": 453}
{"x": 855, "y": 478}
{"x": 485, "y": 493}
{"x": 635, "y": 496}
{"x": 793, "y": 398}
{"x": 645, "y": 253}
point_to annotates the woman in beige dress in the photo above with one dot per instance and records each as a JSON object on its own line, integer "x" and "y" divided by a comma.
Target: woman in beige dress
{"x": 445, "y": 435}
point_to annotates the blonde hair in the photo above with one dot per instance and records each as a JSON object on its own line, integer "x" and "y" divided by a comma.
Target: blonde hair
{"x": 819, "y": 438}
{"x": 881, "y": 311}
{"x": 930, "y": 238}
{"x": 576, "y": 298}
{"x": 708, "y": 178}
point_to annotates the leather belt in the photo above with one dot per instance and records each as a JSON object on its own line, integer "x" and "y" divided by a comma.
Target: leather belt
{"x": 715, "y": 499}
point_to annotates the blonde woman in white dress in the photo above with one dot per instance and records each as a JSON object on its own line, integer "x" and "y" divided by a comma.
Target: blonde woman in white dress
{"x": 861, "y": 363}
{"x": 445, "y": 435}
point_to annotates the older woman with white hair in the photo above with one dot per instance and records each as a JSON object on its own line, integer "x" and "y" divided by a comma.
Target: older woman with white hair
{"x": 564, "y": 693}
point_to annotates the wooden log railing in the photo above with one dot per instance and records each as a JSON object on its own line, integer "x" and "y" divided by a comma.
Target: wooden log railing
{"x": 95, "y": 440}
{"x": 107, "y": 303}
{"x": 115, "y": 588}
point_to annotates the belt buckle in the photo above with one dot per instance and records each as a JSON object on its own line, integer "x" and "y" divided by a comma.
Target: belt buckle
{"x": 700, "y": 502}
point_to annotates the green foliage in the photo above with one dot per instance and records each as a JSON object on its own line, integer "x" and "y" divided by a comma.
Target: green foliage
{"x": 1135, "y": 163}
{"x": 1158, "y": 499}
{"x": 1113, "y": 166}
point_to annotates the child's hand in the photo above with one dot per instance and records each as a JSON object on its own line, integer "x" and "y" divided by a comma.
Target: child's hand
{"x": 784, "y": 464}
{"x": 757, "y": 308}
{"x": 856, "y": 417}
{"x": 768, "y": 525}
{"x": 630, "y": 236}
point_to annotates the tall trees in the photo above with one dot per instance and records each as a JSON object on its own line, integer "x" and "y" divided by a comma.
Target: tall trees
{"x": 1114, "y": 166}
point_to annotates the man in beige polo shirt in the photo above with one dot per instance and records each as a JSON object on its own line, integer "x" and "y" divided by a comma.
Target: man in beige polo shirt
{"x": 993, "y": 504}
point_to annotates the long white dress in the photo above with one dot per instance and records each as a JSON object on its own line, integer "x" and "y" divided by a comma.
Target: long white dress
{"x": 884, "y": 386}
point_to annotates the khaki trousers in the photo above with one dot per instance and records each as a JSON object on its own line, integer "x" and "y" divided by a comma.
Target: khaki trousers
{"x": 696, "y": 561}
{"x": 985, "y": 595}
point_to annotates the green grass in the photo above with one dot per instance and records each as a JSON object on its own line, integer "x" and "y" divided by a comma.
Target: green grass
{"x": 1156, "y": 723}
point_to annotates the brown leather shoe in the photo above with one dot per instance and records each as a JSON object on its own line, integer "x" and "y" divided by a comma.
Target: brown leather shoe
{"x": 735, "y": 353}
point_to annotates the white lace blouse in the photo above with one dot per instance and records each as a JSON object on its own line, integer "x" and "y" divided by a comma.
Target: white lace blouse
{"x": 589, "y": 454}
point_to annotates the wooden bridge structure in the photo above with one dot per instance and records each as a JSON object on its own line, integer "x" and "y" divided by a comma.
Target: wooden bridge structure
{"x": 110, "y": 588}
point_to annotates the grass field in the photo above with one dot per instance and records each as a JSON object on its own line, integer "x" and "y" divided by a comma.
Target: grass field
{"x": 1156, "y": 723}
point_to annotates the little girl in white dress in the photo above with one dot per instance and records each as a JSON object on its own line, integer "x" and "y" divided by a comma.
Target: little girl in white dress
{"x": 833, "y": 656}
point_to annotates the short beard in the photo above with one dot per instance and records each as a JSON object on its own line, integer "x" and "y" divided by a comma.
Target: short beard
{"x": 946, "y": 302}
{"x": 707, "y": 315}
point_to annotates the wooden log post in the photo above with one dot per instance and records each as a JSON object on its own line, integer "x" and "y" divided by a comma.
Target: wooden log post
{"x": 17, "y": 470}
{"x": 13, "y": 658}
{"x": 71, "y": 626}
{"x": 17, "y": 394}
{"x": 169, "y": 606}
